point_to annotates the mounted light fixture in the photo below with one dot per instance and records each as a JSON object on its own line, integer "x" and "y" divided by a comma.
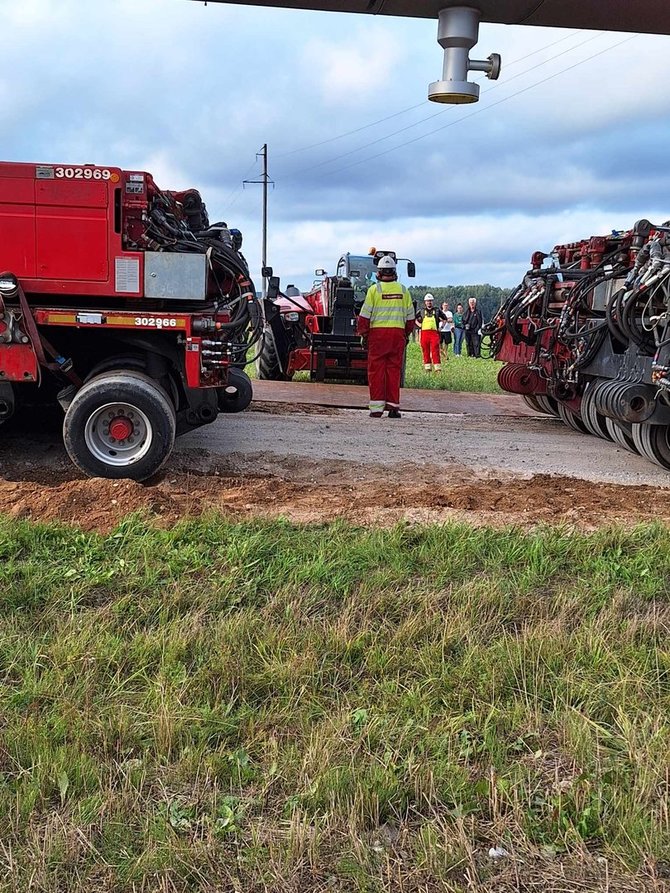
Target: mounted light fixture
{"x": 457, "y": 33}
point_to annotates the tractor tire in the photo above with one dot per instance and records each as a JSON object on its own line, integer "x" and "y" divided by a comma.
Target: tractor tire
{"x": 572, "y": 419}
{"x": 531, "y": 401}
{"x": 267, "y": 363}
{"x": 120, "y": 424}
{"x": 237, "y": 394}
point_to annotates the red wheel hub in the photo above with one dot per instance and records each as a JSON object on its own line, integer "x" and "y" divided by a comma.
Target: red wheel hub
{"x": 120, "y": 428}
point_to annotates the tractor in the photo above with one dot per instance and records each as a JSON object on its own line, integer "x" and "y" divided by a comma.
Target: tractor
{"x": 316, "y": 332}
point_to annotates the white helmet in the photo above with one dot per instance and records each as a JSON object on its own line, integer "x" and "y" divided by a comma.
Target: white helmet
{"x": 428, "y": 298}
{"x": 387, "y": 263}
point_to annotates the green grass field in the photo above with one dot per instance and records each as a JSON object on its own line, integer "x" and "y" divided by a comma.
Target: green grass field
{"x": 464, "y": 374}
{"x": 265, "y": 707}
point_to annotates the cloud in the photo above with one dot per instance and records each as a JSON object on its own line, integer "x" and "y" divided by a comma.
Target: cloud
{"x": 555, "y": 150}
{"x": 354, "y": 69}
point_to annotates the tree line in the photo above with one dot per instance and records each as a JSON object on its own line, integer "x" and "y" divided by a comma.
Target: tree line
{"x": 489, "y": 297}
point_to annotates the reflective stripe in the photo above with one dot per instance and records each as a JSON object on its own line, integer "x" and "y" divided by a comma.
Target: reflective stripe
{"x": 388, "y": 305}
{"x": 377, "y": 405}
{"x": 390, "y": 313}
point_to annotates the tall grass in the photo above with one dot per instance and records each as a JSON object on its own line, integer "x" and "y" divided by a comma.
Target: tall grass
{"x": 268, "y": 707}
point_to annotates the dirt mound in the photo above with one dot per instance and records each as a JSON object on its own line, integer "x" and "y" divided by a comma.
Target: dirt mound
{"x": 98, "y": 504}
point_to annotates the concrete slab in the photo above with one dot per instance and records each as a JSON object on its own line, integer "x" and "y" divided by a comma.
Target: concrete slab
{"x": 346, "y": 396}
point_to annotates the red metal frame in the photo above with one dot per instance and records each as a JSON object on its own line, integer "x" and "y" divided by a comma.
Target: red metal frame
{"x": 62, "y": 232}
{"x": 61, "y": 226}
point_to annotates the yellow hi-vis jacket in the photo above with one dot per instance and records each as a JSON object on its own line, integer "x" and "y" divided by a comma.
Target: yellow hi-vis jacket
{"x": 387, "y": 305}
{"x": 429, "y": 323}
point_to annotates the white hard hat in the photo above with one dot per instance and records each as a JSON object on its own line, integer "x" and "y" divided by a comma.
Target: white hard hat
{"x": 386, "y": 263}
{"x": 428, "y": 297}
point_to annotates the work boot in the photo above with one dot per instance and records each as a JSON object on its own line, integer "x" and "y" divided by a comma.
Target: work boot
{"x": 376, "y": 415}
{"x": 427, "y": 367}
{"x": 438, "y": 368}
{"x": 394, "y": 414}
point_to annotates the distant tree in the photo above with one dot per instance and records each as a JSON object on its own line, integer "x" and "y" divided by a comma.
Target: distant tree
{"x": 489, "y": 297}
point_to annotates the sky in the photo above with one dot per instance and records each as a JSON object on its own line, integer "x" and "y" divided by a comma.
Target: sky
{"x": 571, "y": 141}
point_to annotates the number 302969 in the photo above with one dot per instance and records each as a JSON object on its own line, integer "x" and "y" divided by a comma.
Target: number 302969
{"x": 83, "y": 173}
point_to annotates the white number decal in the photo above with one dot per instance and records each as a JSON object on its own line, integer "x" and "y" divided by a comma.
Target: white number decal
{"x": 83, "y": 173}
{"x": 155, "y": 322}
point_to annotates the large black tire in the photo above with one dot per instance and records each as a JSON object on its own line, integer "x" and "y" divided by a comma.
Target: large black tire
{"x": 237, "y": 394}
{"x": 267, "y": 364}
{"x": 532, "y": 401}
{"x": 120, "y": 402}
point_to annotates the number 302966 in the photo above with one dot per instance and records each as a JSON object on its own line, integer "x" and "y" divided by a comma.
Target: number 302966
{"x": 83, "y": 173}
{"x": 156, "y": 322}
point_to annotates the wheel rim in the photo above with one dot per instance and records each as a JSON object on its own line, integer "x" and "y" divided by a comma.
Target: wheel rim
{"x": 134, "y": 434}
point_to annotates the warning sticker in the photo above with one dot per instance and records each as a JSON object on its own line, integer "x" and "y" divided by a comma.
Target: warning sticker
{"x": 42, "y": 172}
{"x": 127, "y": 275}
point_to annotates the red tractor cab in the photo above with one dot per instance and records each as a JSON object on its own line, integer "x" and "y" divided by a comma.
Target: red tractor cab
{"x": 315, "y": 332}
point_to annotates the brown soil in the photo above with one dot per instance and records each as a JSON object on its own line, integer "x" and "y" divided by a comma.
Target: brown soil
{"x": 313, "y": 492}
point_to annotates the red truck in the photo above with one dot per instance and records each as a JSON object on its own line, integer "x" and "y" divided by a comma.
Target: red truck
{"x": 119, "y": 301}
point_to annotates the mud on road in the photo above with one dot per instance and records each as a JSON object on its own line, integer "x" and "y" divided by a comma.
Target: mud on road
{"x": 333, "y": 464}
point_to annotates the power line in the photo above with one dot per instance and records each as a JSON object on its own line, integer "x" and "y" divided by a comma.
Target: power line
{"x": 485, "y": 108}
{"x": 235, "y": 193}
{"x": 450, "y": 109}
{"x": 413, "y": 108}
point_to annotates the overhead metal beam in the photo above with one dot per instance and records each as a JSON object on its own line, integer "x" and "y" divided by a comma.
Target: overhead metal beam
{"x": 650, "y": 16}
{"x": 458, "y": 26}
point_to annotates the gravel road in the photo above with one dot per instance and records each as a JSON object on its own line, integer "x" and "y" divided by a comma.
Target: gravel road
{"x": 488, "y": 445}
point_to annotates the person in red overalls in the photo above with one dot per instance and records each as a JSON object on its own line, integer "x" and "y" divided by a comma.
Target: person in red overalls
{"x": 429, "y": 323}
{"x": 384, "y": 324}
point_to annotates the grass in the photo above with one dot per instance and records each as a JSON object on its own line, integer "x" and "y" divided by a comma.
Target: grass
{"x": 464, "y": 374}
{"x": 263, "y": 707}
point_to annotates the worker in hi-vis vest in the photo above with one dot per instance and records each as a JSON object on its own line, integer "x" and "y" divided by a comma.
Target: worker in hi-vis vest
{"x": 429, "y": 322}
{"x": 384, "y": 324}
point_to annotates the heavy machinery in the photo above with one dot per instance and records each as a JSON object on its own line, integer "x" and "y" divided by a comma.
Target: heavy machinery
{"x": 316, "y": 332}
{"x": 119, "y": 301}
{"x": 586, "y": 337}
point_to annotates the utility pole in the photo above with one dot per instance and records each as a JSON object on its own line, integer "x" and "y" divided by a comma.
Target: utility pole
{"x": 264, "y": 181}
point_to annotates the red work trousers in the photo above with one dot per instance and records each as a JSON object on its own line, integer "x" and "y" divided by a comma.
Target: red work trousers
{"x": 386, "y": 352}
{"x": 430, "y": 345}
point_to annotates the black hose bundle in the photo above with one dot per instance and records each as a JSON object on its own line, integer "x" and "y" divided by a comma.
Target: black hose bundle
{"x": 169, "y": 229}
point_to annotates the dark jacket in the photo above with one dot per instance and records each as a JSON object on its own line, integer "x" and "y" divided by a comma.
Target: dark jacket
{"x": 473, "y": 320}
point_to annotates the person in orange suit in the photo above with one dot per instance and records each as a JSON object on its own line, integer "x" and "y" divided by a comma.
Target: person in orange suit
{"x": 429, "y": 322}
{"x": 384, "y": 324}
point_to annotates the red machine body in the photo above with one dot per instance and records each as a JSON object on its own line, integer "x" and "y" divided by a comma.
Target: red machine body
{"x": 315, "y": 332}
{"x": 100, "y": 269}
{"x": 61, "y": 228}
